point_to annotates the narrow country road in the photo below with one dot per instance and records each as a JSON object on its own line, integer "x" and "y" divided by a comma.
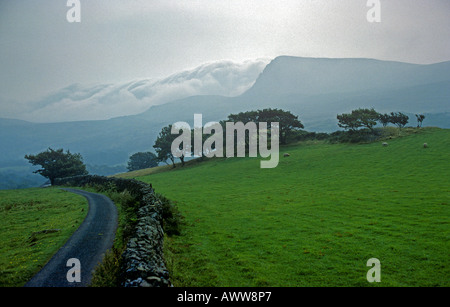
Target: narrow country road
{"x": 88, "y": 244}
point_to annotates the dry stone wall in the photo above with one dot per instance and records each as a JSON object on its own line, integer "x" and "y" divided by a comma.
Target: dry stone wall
{"x": 143, "y": 260}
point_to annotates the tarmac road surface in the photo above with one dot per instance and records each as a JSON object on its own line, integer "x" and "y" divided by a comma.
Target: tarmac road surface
{"x": 87, "y": 245}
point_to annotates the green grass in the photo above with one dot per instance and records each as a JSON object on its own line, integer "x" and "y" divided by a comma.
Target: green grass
{"x": 317, "y": 218}
{"x": 28, "y": 211}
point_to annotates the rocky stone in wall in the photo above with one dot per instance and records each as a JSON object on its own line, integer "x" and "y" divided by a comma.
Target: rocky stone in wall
{"x": 143, "y": 262}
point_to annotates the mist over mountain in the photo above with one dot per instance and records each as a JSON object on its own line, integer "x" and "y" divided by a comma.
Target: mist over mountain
{"x": 104, "y": 101}
{"x": 315, "y": 76}
{"x": 315, "y": 89}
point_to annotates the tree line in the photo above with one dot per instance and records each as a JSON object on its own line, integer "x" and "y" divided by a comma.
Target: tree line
{"x": 356, "y": 122}
{"x": 368, "y": 118}
{"x": 288, "y": 125}
{"x": 359, "y": 122}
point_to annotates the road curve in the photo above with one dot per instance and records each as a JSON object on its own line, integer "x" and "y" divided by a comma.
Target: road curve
{"x": 88, "y": 244}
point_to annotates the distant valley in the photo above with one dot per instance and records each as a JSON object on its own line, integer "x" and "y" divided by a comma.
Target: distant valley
{"x": 315, "y": 89}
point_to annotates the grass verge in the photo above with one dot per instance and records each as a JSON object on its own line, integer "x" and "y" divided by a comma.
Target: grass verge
{"x": 34, "y": 224}
{"x": 317, "y": 218}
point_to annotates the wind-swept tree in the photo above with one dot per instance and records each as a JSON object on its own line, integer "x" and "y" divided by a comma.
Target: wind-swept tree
{"x": 163, "y": 145}
{"x": 58, "y": 164}
{"x": 348, "y": 121}
{"x": 288, "y": 122}
{"x": 384, "y": 119}
{"x": 420, "y": 118}
{"x": 141, "y": 160}
{"x": 399, "y": 119}
{"x": 358, "y": 118}
{"x": 368, "y": 117}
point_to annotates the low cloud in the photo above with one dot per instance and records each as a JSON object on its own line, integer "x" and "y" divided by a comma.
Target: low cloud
{"x": 103, "y": 101}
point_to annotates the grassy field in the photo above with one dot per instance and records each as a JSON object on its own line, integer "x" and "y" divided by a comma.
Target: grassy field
{"x": 317, "y": 218}
{"x": 25, "y": 213}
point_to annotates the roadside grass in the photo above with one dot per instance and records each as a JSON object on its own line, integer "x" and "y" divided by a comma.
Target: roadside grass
{"x": 26, "y": 215}
{"x": 108, "y": 272}
{"x": 156, "y": 170}
{"x": 317, "y": 218}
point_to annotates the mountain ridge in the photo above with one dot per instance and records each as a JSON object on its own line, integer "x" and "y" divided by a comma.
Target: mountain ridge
{"x": 286, "y": 83}
{"x": 370, "y": 74}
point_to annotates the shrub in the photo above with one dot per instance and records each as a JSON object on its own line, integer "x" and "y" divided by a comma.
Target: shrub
{"x": 171, "y": 216}
{"x": 128, "y": 206}
{"x": 107, "y": 273}
{"x": 136, "y": 202}
{"x": 308, "y": 136}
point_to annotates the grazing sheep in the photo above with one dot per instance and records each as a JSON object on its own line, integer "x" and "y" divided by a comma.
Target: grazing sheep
{"x": 425, "y": 145}
{"x": 286, "y": 155}
{"x": 385, "y": 144}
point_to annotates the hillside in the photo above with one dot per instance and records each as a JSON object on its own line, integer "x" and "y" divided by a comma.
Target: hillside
{"x": 315, "y": 76}
{"x": 35, "y": 223}
{"x": 314, "y": 89}
{"x": 315, "y": 219}
{"x": 317, "y": 89}
{"x": 80, "y": 102}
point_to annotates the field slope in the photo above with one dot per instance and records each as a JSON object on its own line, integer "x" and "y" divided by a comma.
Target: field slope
{"x": 317, "y": 218}
{"x": 34, "y": 224}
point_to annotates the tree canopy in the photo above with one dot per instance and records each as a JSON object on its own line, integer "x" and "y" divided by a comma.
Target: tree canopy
{"x": 420, "y": 118}
{"x": 399, "y": 119}
{"x": 288, "y": 122}
{"x": 163, "y": 145}
{"x": 58, "y": 164}
{"x": 384, "y": 119}
{"x": 358, "y": 118}
{"x": 141, "y": 160}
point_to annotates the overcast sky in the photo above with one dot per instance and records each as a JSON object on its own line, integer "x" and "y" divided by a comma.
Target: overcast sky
{"x": 118, "y": 41}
